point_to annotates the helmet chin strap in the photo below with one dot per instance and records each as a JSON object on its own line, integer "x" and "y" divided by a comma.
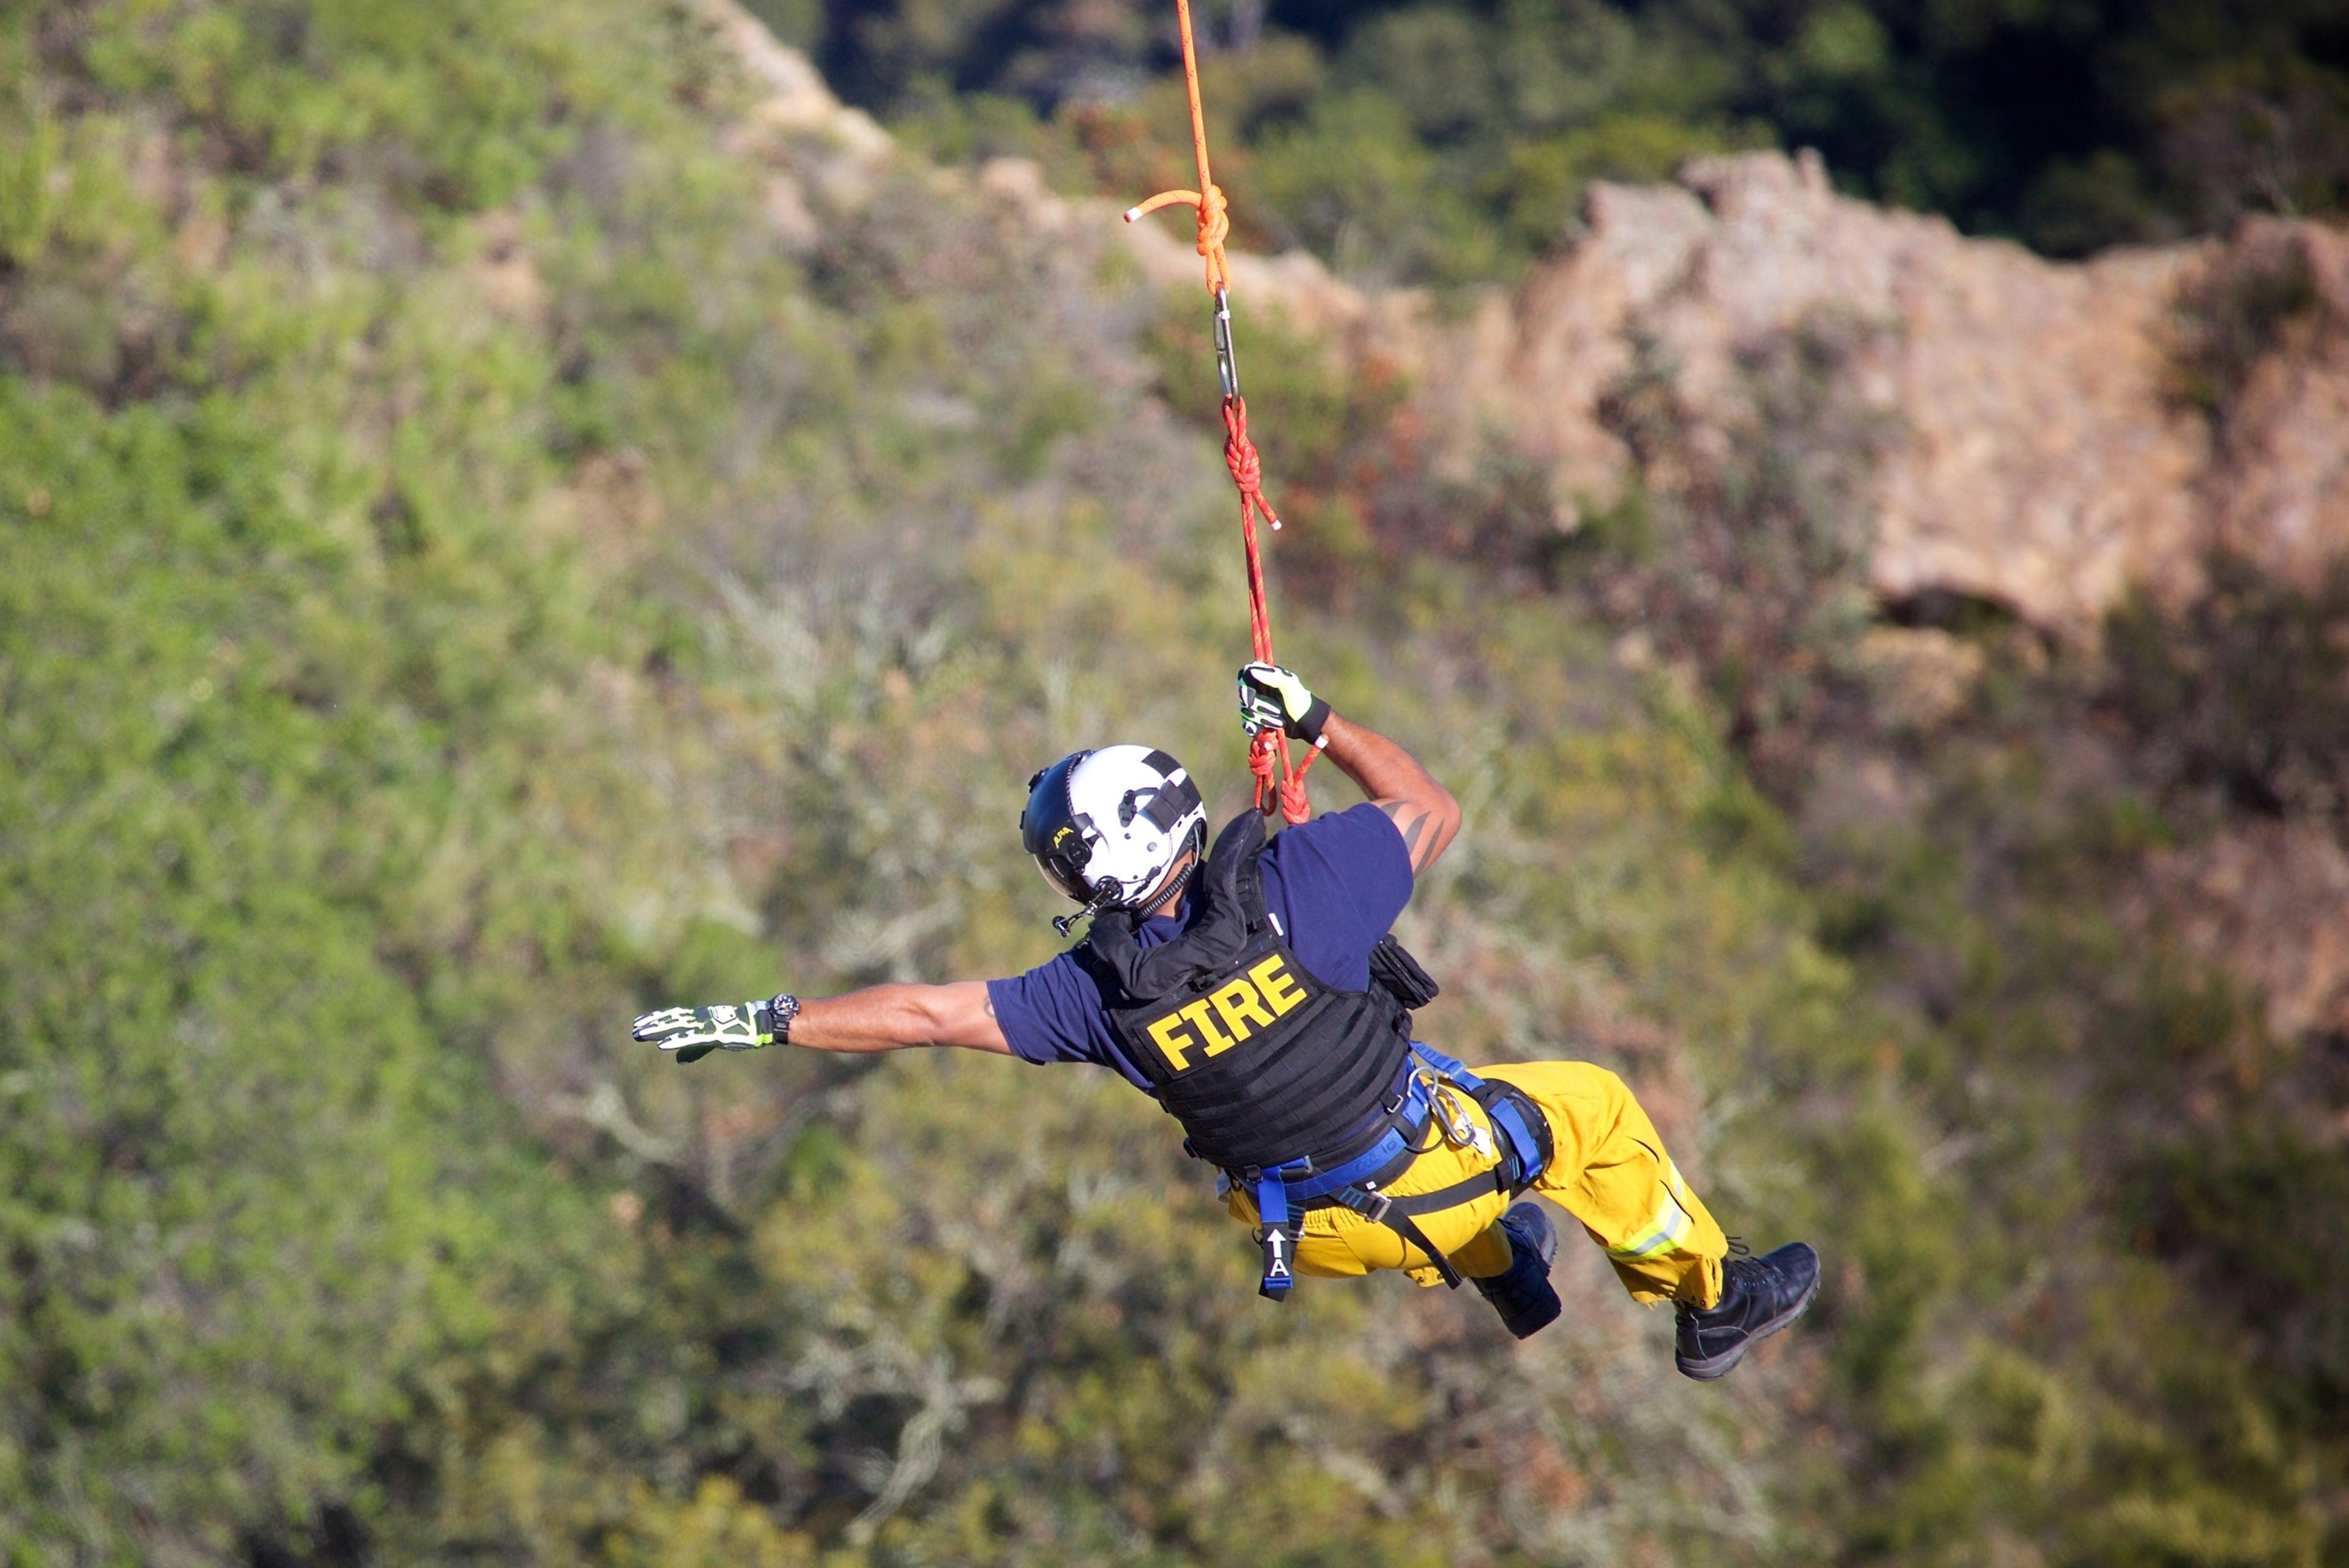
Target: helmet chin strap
{"x": 1176, "y": 883}
{"x": 1105, "y": 896}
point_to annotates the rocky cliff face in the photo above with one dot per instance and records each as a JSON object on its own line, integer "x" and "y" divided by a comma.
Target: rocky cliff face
{"x": 2057, "y": 430}
{"x": 2034, "y": 459}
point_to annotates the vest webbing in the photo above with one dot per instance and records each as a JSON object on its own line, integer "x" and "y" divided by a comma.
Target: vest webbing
{"x": 1261, "y": 1062}
{"x": 1304, "y": 1094}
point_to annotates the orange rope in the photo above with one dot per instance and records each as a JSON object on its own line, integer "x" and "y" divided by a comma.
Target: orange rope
{"x": 1268, "y": 750}
{"x": 1266, "y": 746}
{"x": 1214, "y": 227}
{"x": 1214, "y": 224}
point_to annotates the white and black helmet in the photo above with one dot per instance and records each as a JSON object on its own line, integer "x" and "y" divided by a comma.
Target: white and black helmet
{"x": 1105, "y": 827}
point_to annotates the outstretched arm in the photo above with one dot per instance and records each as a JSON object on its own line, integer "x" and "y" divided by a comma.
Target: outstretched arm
{"x": 877, "y": 1018}
{"x": 1424, "y": 811}
{"x": 890, "y": 1017}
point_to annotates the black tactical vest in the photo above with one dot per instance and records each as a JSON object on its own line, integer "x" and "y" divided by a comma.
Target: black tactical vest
{"x": 1260, "y": 1062}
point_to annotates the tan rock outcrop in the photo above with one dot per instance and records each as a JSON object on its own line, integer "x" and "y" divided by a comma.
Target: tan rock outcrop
{"x": 2046, "y": 453}
{"x": 2036, "y": 460}
{"x": 2049, "y": 446}
{"x": 2280, "y": 489}
{"x": 806, "y": 140}
{"x": 2043, "y": 454}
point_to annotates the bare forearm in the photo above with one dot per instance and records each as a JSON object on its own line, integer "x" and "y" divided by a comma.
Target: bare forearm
{"x": 892, "y": 1017}
{"x": 1384, "y": 770}
{"x": 1424, "y": 811}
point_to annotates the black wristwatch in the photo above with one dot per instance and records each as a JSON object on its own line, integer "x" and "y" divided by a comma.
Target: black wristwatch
{"x": 784, "y": 1007}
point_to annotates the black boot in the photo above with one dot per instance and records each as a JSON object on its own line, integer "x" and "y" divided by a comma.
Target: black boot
{"x": 1759, "y": 1296}
{"x": 1523, "y": 1294}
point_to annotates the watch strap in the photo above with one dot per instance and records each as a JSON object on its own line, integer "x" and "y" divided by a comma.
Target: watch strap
{"x": 783, "y": 1007}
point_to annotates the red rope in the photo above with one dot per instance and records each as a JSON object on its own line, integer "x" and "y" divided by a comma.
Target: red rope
{"x": 1269, "y": 748}
{"x": 1268, "y": 751}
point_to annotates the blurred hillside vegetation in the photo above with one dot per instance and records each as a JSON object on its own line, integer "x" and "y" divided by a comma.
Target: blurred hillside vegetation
{"x": 1449, "y": 140}
{"x": 490, "y": 541}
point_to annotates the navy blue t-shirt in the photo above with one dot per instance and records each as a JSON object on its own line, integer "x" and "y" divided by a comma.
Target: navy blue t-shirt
{"x": 1334, "y": 884}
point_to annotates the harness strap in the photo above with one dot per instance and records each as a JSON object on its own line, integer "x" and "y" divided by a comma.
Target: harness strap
{"x": 1520, "y": 1131}
{"x": 1277, "y": 1235}
{"x": 1510, "y": 1110}
{"x": 1403, "y": 1225}
{"x": 1525, "y": 1131}
{"x": 1396, "y": 1145}
{"x": 1400, "y": 1214}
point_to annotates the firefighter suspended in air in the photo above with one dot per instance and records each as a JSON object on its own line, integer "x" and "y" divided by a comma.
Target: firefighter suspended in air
{"x": 1255, "y": 990}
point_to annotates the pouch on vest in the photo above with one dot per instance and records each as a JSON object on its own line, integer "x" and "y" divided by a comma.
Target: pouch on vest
{"x": 1395, "y": 972}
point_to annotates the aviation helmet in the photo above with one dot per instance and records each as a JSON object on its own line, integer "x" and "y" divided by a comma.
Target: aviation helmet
{"x": 1106, "y": 825}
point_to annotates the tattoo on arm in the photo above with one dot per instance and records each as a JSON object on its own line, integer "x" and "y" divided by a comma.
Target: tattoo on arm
{"x": 1410, "y": 839}
{"x": 1412, "y": 822}
{"x": 989, "y": 1005}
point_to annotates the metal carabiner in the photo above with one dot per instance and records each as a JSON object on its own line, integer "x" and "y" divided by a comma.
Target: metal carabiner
{"x": 1460, "y": 1129}
{"x": 1227, "y": 365}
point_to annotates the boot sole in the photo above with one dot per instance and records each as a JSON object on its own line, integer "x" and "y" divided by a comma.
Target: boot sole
{"x": 1521, "y": 1329}
{"x": 1714, "y": 1366}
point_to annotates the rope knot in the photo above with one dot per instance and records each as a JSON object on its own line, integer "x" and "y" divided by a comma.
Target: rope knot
{"x": 1215, "y": 228}
{"x": 1241, "y": 457}
{"x": 1274, "y": 781}
{"x": 1294, "y": 808}
{"x": 1247, "y": 468}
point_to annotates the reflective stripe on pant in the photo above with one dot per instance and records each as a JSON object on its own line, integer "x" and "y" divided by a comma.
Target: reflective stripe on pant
{"x": 1610, "y": 1171}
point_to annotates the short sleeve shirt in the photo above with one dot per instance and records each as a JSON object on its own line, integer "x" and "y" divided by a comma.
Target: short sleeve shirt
{"x": 1333, "y": 884}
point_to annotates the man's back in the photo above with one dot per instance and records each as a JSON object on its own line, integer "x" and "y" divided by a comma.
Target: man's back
{"x": 1333, "y": 886}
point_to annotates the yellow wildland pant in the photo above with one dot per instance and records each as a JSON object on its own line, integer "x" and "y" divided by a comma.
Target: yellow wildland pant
{"x": 1608, "y": 1169}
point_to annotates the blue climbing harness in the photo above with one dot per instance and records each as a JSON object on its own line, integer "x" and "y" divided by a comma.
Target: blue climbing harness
{"x": 1521, "y": 1140}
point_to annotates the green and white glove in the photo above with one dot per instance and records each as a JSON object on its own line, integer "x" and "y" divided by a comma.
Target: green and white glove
{"x": 694, "y": 1033}
{"x": 1272, "y": 698}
